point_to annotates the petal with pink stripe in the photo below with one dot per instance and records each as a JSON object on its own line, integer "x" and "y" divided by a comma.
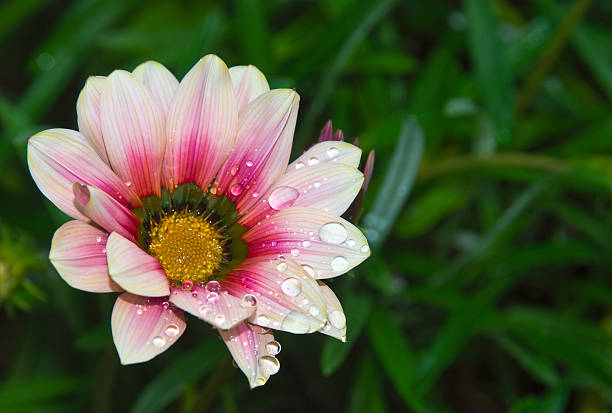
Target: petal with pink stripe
{"x": 335, "y": 325}
{"x": 105, "y": 211}
{"x": 328, "y": 151}
{"x": 254, "y": 352}
{"x": 144, "y": 327}
{"x": 133, "y": 130}
{"x": 159, "y": 80}
{"x": 330, "y": 187}
{"x": 265, "y": 134}
{"x": 213, "y": 305}
{"x": 88, "y": 114}
{"x": 201, "y": 124}
{"x": 135, "y": 270}
{"x": 248, "y": 83}
{"x": 324, "y": 244}
{"x": 286, "y": 297}
{"x": 78, "y": 253}
{"x": 58, "y": 158}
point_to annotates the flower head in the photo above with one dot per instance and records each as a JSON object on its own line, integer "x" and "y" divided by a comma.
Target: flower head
{"x": 183, "y": 202}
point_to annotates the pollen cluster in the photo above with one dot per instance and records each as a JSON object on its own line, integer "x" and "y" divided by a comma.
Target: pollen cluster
{"x": 189, "y": 246}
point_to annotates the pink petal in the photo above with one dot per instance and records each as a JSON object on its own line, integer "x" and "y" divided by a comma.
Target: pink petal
{"x": 212, "y": 305}
{"x": 135, "y": 270}
{"x": 323, "y": 243}
{"x": 78, "y": 253}
{"x": 335, "y": 325}
{"x": 58, "y": 158}
{"x": 330, "y": 187}
{"x": 88, "y": 114}
{"x": 265, "y": 134}
{"x": 328, "y": 151}
{"x": 159, "y": 80}
{"x": 254, "y": 352}
{"x": 132, "y": 125}
{"x": 202, "y": 124}
{"x": 144, "y": 327}
{"x": 286, "y": 297}
{"x": 248, "y": 83}
{"x": 105, "y": 211}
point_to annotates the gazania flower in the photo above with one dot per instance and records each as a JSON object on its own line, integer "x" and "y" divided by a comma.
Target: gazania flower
{"x": 183, "y": 202}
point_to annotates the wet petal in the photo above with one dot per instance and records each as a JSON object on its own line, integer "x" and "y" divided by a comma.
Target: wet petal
{"x": 132, "y": 125}
{"x": 265, "y": 134}
{"x": 201, "y": 126}
{"x": 329, "y": 187}
{"x": 254, "y": 352}
{"x": 58, "y": 158}
{"x": 78, "y": 253}
{"x": 286, "y": 297}
{"x": 135, "y": 270}
{"x": 323, "y": 243}
{"x": 105, "y": 211}
{"x": 159, "y": 80}
{"x": 248, "y": 83}
{"x": 335, "y": 325}
{"x": 328, "y": 151}
{"x": 144, "y": 327}
{"x": 88, "y": 114}
{"x": 212, "y": 305}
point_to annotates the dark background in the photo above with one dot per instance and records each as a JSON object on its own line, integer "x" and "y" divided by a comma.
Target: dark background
{"x": 490, "y": 285}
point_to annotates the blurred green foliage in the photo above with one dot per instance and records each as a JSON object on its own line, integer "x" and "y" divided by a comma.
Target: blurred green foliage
{"x": 490, "y": 284}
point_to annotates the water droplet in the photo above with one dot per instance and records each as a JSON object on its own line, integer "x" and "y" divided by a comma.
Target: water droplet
{"x": 188, "y": 284}
{"x": 212, "y": 298}
{"x": 166, "y": 305}
{"x": 269, "y": 364}
{"x": 314, "y": 311}
{"x": 236, "y": 189}
{"x": 317, "y": 184}
{"x": 332, "y": 152}
{"x": 291, "y": 287}
{"x": 337, "y": 319}
{"x": 158, "y": 341}
{"x": 365, "y": 248}
{"x": 262, "y": 320}
{"x": 350, "y": 243}
{"x": 313, "y": 161}
{"x": 296, "y": 322}
{"x": 299, "y": 165}
{"x": 295, "y": 252}
{"x": 339, "y": 264}
{"x": 234, "y": 170}
{"x": 333, "y": 232}
{"x": 306, "y": 244}
{"x": 213, "y": 286}
{"x": 248, "y": 300}
{"x": 98, "y": 239}
{"x": 282, "y": 266}
{"x": 249, "y": 163}
{"x": 283, "y": 197}
{"x": 172, "y": 330}
{"x": 139, "y": 311}
{"x": 220, "y": 319}
{"x": 309, "y": 270}
{"x": 273, "y": 348}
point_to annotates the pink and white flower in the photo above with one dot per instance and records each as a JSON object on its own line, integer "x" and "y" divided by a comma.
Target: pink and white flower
{"x": 183, "y": 201}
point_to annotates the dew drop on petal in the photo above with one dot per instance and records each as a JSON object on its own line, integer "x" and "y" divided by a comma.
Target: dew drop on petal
{"x": 337, "y": 319}
{"x": 339, "y": 264}
{"x": 158, "y": 341}
{"x": 262, "y": 320}
{"x": 172, "y": 330}
{"x": 234, "y": 170}
{"x": 282, "y": 197}
{"x": 314, "y": 311}
{"x": 333, "y": 232}
{"x": 213, "y": 286}
{"x": 365, "y": 249}
{"x": 309, "y": 270}
{"x": 269, "y": 364}
{"x": 249, "y": 163}
{"x": 273, "y": 348}
{"x": 212, "y": 298}
{"x": 248, "y": 300}
{"x": 299, "y": 165}
{"x": 306, "y": 244}
{"x": 296, "y": 322}
{"x": 98, "y": 239}
{"x": 188, "y": 284}
{"x": 332, "y": 152}
{"x": 236, "y": 189}
{"x": 291, "y": 287}
{"x": 282, "y": 266}
{"x": 313, "y": 161}
{"x": 295, "y": 252}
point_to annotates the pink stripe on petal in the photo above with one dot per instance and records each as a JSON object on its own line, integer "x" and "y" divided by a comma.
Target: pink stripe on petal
{"x": 323, "y": 243}
{"x": 328, "y": 151}
{"x": 135, "y": 270}
{"x": 58, "y": 158}
{"x": 201, "y": 126}
{"x": 248, "y": 83}
{"x": 254, "y": 352}
{"x": 335, "y": 325}
{"x": 212, "y": 305}
{"x": 330, "y": 187}
{"x": 105, "y": 211}
{"x": 88, "y": 114}
{"x": 78, "y": 253}
{"x": 286, "y": 297}
{"x": 265, "y": 135}
{"x": 144, "y": 327}
{"x": 159, "y": 80}
{"x": 133, "y": 129}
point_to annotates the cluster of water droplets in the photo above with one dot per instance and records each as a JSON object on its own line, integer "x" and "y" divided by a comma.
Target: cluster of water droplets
{"x": 168, "y": 331}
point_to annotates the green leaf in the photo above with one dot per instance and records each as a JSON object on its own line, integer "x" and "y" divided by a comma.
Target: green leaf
{"x": 367, "y": 393}
{"x": 27, "y": 394}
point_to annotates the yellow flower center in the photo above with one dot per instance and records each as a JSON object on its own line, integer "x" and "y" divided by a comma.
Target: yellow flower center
{"x": 189, "y": 246}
